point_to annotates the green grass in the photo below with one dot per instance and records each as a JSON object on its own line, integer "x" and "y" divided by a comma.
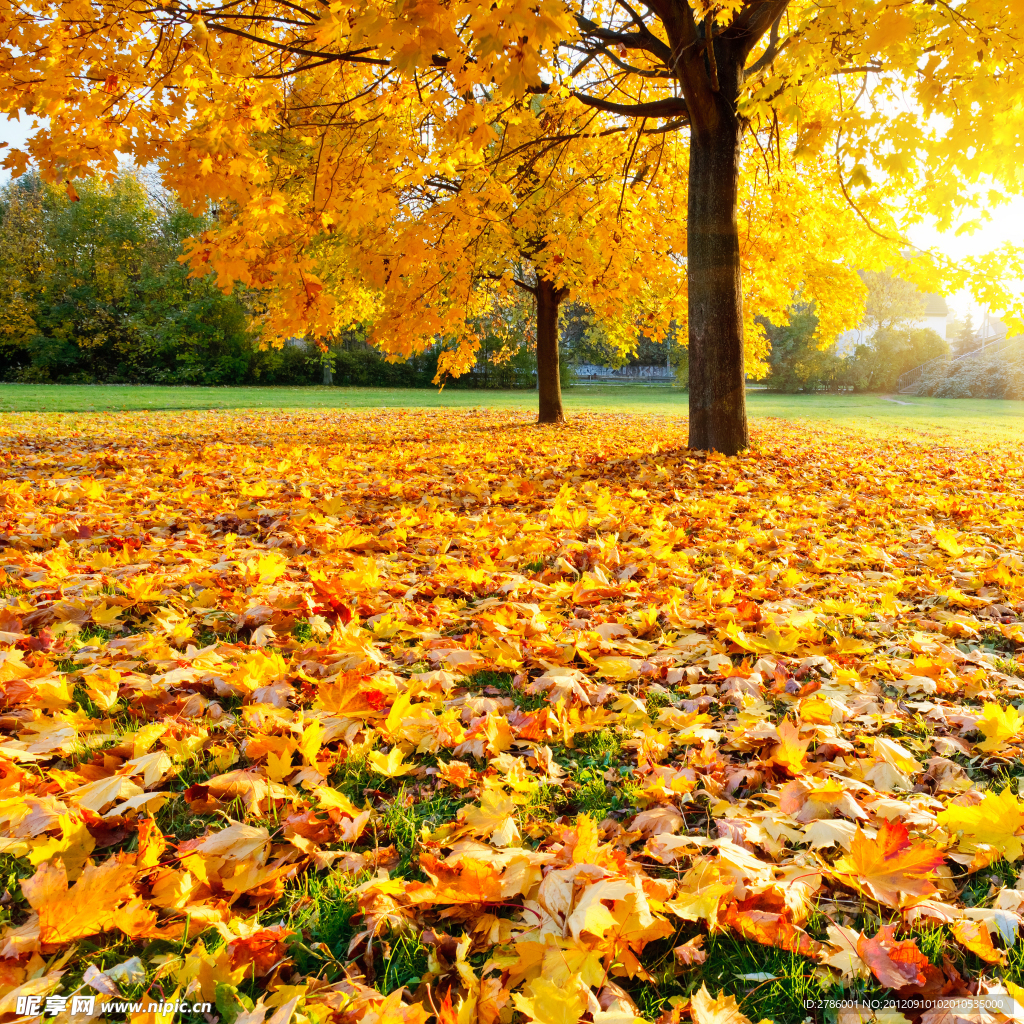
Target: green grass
{"x": 1000, "y": 419}
{"x": 767, "y": 983}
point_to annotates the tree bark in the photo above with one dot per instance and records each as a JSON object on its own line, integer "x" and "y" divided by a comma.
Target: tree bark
{"x": 718, "y": 408}
{"x": 549, "y": 385}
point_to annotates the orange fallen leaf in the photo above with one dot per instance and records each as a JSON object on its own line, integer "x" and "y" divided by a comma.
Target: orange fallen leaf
{"x": 974, "y": 935}
{"x": 890, "y": 866}
{"x": 895, "y": 964}
{"x": 723, "y": 1010}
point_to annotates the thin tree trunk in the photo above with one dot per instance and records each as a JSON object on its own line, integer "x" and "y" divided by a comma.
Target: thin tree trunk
{"x": 718, "y": 409}
{"x": 549, "y": 386}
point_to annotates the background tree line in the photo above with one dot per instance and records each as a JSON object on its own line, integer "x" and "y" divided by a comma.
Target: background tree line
{"x": 92, "y": 290}
{"x": 890, "y": 343}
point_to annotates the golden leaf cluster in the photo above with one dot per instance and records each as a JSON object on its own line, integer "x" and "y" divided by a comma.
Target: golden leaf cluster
{"x": 281, "y": 699}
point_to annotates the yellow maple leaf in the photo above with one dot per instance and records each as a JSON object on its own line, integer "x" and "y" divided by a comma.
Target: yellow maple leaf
{"x": 791, "y": 752}
{"x": 614, "y": 666}
{"x": 974, "y": 935}
{"x": 494, "y": 818}
{"x": 392, "y": 765}
{"x": 701, "y": 894}
{"x": 268, "y": 567}
{"x": 102, "y": 687}
{"x": 548, "y": 1003}
{"x": 999, "y": 725}
{"x": 87, "y": 907}
{"x": 279, "y": 765}
{"x": 946, "y": 540}
{"x": 890, "y": 865}
{"x": 816, "y": 711}
{"x": 590, "y": 914}
{"x": 723, "y": 1010}
{"x": 994, "y": 823}
{"x": 72, "y": 847}
{"x": 312, "y": 739}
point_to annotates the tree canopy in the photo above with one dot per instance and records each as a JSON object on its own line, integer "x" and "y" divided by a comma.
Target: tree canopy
{"x": 304, "y": 119}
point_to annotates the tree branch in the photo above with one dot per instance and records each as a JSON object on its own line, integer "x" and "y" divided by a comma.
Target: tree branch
{"x": 645, "y": 40}
{"x": 769, "y": 54}
{"x": 591, "y": 54}
{"x": 352, "y": 56}
{"x": 864, "y": 69}
{"x": 671, "y": 106}
{"x": 637, "y": 20}
{"x": 709, "y": 45}
{"x": 754, "y": 20}
{"x": 446, "y": 186}
{"x": 636, "y": 71}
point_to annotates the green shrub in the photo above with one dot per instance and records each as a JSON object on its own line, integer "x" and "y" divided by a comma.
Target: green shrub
{"x": 1000, "y": 375}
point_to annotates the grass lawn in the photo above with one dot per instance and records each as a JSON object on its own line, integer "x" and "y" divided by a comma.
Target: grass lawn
{"x": 928, "y": 416}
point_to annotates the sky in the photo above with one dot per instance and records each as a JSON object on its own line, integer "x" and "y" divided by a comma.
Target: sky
{"x": 1007, "y": 225}
{"x": 14, "y": 133}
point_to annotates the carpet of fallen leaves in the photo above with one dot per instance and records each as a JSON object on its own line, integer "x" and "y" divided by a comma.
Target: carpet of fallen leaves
{"x": 400, "y": 716}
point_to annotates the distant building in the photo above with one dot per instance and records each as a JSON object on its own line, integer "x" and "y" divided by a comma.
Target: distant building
{"x": 933, "y": 315}
{"x": 991, "y": 331}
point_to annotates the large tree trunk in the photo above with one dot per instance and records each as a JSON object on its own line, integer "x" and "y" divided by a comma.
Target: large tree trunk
{"x": 549, "y": 386}
{"x": 718, "y": 408}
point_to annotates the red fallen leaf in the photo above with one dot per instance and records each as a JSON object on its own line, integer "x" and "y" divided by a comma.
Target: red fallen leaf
{"x": 107, "y": 832}
{"x": 17, "y": 691}
{"x": 935, "y": 985}
{"x": 309, "y": 826}
{"x": 42, "y": 641}
{"x": 896, "y": 964}
{"x": 445, "y": 1012}
{"x": 690, "y": 952}
{"x": 785, "y": 683}
{"x": 748, "y": 611}
{"x": 765, "y": 918}
{"x": 530, "y": 725}
{"x": 468, "y": 881}
{"x": 809, "y": 688}
{"x": 10, "y": 621}
{"x": 381, "y": 857}
{"x": 376, "y": 699}
{"x": 199, "y": 800}
{"x": 260, "y": 952}
{"x": 332, "y": 595}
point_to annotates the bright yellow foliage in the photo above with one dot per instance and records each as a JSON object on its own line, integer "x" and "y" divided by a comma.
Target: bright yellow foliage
{"x": 360, "y": 156}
